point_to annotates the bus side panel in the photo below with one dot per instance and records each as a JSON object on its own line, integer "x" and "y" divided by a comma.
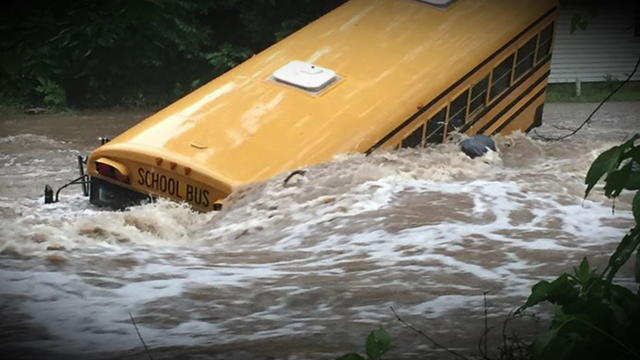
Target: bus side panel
{"x": 517, "y": 117}
{"x": 525, "y": 120}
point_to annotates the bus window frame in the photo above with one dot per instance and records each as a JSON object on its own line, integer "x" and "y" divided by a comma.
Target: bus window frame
{"x": 485, "y": 102}
{"x": 513, "y": 68}
{"x": 532, "y": 55}
{"x": 466, "y": 108}
{"x": 489, "y": 99}
{"x": 466, "y": 115}
{"x": 539, "y": 59}
{"x": 422, "y": 127}
{"x": 493, "y": 97}
{"x": 445, "y": 107}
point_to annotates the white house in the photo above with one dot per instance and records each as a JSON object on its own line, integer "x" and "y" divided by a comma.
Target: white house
{"x": 607, "y": 50}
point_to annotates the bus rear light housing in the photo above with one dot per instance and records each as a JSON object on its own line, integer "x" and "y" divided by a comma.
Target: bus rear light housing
{"x": 113, "y": 170}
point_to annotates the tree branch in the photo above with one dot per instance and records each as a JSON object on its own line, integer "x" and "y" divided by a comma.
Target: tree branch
{"x": 424, "y": 335}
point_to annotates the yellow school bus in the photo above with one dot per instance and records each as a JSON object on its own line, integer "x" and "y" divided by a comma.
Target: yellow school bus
{"x": 370, "y": 75}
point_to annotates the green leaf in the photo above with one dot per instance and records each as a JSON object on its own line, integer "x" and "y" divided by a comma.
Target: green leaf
{"x": 583, "y": 24}
{"x": 539, "y": 293}
{"x": 634, "y": 153}
{"x": 583, "y": 272}
{"x": 635, "y": 206}
{"x": 616, "y": 181}
{"x": 378, "y": 342}
{"x": 372, "y": 347}
{"x": 623, "y": 252}
{"x": 629, "y": 143}
{"x": 544, "y": 342}
{"x": 383, "y": 339}
{"x": 603, "y": 164}
{"x": 575, "y": 20}
{"x": 584, "y": 266}
{"x": 633, "y": 183}
{"x": 351, "y": 356}
{"x": 637, "y": 266}
{"x": 562, "y": 291}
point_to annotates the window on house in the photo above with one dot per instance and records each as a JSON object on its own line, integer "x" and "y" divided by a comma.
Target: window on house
{"x": 544, "y": 42}
{"x": 435, "y": 127}
{"x": 524, "y": 58}
{"x": 501, "y": 78}
{"x": 479, "y": 95}
{"x": 458, "y": 111}
{"x": 413, "y": 140}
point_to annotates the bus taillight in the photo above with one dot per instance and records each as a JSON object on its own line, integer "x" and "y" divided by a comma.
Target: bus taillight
{"x": 111, "y": 169}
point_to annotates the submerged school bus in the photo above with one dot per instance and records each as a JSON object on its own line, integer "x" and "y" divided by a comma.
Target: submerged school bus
{"x": 369, "y": 75}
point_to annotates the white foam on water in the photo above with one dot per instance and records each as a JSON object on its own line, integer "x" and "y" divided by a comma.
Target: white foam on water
{"x": 91, "y": 318}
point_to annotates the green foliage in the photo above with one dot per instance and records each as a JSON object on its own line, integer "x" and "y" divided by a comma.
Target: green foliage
{"x": 608, "y": 163}
{"x": 377, "y": 344}
{"x": 581, "y": 20}
{"x": 226, "y": 56}
{"x": 596, "y": 318}
{"x": 91, "y": 54}
{"x": 53, "y": 95}
{"x": 578, "y": 21}
{"x": 635, "y": 204}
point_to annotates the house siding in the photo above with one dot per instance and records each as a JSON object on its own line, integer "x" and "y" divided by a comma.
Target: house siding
{"x": 607, "y": 50}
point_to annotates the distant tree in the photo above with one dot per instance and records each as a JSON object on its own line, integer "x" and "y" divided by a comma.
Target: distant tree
{"x": 121, "y": 52}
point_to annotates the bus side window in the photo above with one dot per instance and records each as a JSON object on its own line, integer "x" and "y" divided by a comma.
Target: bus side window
{"x": 544, "y": 42}
{"x": 415, "y": 139}
{"x": 524, "y": 59}
{"x": 501, "y": 77}
{"x": 458, "y": 111}
{"x": 479, "y": 95}
{"x": 435, "y": 127}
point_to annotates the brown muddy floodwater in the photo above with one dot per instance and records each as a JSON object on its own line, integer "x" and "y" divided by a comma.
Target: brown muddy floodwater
{"x": 303, "y": 271}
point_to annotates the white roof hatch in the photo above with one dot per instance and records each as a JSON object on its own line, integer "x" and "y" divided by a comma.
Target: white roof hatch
{"x": 305, "y": 75}
{"x": 438, "y": 3}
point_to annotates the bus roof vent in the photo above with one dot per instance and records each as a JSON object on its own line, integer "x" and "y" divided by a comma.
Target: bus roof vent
{"x": 305, "y": 75}
{"x": 438, "y": 3}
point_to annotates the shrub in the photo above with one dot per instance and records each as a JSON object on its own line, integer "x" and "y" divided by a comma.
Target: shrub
{"x": 594, "y": 317}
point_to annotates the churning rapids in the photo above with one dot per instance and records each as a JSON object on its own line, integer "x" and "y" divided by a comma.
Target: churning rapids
{"x": 298, "y": 271}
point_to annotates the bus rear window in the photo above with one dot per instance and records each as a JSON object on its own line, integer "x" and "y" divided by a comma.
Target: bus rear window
{"x": 501, "y": 77}
{"x": 524, "y": 60}
{"x": 544, "y": 42}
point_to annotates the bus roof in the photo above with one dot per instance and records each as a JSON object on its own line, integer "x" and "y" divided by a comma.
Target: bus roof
{"x": 391, "y": 56}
